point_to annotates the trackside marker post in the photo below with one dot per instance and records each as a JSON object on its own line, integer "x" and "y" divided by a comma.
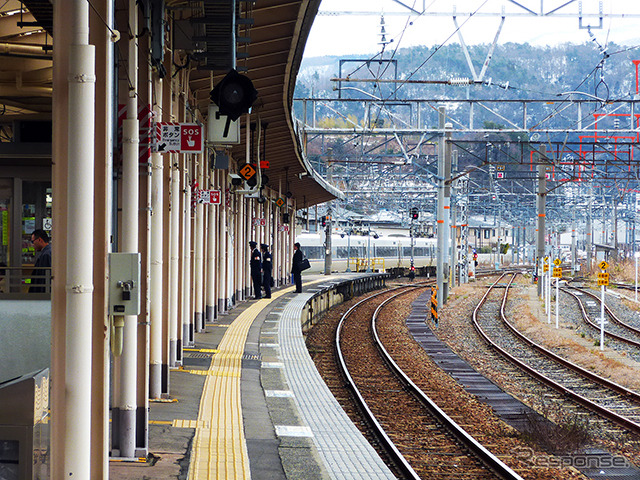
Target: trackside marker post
{"x": 557, "y": 274}
{"x": 603, "y": 281}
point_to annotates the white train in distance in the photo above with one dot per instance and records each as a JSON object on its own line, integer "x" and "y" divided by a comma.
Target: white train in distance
{"x": 355, "y": 246}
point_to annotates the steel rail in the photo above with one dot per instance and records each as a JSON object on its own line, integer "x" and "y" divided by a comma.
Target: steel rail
{"x": 398, "y": 459}
{"x": 468, "y": 441}
{"x": 600, "y": 410}
{"x": 586, "y": 318}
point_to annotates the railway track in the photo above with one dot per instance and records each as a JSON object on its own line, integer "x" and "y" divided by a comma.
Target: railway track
{"x": 603, "y": 397}
{"x": 419, "y": 437}
{"x": 615, "y": 327}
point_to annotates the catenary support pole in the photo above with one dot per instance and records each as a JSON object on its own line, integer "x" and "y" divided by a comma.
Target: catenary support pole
{"x": 452, "y": 247}
{"x": 442, "y": 267}
{"x": 574, "y": 259}
{"x": 589, "y": 232}
{"x": 541, "y": 199}
{"x": 327, "y": 253}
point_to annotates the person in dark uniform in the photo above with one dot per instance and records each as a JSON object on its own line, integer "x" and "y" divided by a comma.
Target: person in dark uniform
{"x": 267, "y": 269}
{"x": 256, "y": 269}
{"x": 295, "y": 267}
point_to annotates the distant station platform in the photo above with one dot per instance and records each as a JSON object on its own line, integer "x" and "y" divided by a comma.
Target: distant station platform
{"x": 248, "y": 401}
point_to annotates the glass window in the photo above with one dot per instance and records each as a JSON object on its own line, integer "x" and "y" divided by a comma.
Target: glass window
{"x": 36, "y": 214}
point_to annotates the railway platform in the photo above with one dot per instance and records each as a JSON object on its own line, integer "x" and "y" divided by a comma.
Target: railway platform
{"x": 248, "y": 401}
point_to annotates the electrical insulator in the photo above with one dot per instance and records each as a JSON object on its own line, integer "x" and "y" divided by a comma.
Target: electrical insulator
{"x": 459, "y": 81}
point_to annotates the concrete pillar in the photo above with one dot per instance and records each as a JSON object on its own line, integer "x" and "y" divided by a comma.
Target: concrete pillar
{"x": 174, "y": 266}
{"x": 223, "y": 239}
{"x": 198, "y": 243}
{"x": 188, "y": 333}
{"x": 156, "y": 287}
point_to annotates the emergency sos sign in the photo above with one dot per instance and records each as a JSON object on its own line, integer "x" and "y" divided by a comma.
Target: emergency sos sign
{"x": 191, "y": 140}
{"x": 179, "y": 138}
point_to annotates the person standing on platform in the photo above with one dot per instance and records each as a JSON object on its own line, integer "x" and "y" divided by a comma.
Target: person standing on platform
{"x": 295, "y": 267}
{"x": 42, "y": 267}
{"x": 256, "y": 269}
{"x": 267, "y": 269}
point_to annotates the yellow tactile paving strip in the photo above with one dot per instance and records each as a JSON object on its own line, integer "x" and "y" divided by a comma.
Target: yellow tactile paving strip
{"x": 219, "y": 449}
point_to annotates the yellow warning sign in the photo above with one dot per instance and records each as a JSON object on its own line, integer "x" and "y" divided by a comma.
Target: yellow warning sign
{"x": 545, "y": 268}
{"x": 557, "y": 262}
{"x": 247, "y": 171}
{"x": 557, "y": 272}
{"x": 546, "y": 259}
{"x": 603, "y": 265}
{"x": 603, "y": 279}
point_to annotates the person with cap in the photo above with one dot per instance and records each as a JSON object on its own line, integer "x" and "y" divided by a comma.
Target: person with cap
{"x": 256, "y": 269}
{"x": 267, "y": 269}
{"x": 295, "y": 267}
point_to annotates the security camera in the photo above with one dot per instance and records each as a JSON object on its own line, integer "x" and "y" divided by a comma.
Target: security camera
{"x": 235, "y": 179}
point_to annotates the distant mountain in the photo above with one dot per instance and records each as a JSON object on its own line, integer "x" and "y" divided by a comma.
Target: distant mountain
{"x": 515, "y": 71}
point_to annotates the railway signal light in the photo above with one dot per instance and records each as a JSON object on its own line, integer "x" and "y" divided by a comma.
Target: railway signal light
{"x": 234, "y": 94}
{"x": 414, "y": 213}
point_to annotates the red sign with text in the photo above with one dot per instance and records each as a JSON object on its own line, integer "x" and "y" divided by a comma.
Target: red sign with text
{"x": 191, "y": 139}
{"x": 208, "y": 197}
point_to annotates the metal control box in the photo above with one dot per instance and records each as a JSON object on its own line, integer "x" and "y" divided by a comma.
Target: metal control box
{"x": 24, "y": 427}
{"x": 124, "y": 283}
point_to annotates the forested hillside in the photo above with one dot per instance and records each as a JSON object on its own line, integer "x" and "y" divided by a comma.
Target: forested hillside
{"x": 527, "y": 71}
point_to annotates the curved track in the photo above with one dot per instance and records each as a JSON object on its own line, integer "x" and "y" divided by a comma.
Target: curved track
{"x": 615, "y": 328}
{"x": 422, "y": 439}
{"x": 609, "y": 400}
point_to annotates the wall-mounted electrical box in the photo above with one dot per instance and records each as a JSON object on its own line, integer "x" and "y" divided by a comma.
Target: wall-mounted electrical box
{"x": 124, "y": 283}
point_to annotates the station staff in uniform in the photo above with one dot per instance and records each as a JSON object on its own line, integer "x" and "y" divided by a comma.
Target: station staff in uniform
{"x": 256, "y": 269}
{"x": 295, "y": 267}
{"x": 267, "y": 269}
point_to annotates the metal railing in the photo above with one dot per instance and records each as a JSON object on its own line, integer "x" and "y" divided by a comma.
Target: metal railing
{"x": 376, "y": 264}
{"x": 20, "y": 283}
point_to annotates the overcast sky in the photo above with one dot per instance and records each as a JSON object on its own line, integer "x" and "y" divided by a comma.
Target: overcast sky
{"x": 360, "y": 33}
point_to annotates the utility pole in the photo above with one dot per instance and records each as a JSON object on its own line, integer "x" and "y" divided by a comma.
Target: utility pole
{"x": 327, "y": 236}
{"x": 542, "y": 191}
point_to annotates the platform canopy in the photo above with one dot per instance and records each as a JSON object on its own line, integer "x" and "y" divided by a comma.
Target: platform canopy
{"x": 264, "y": 40}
